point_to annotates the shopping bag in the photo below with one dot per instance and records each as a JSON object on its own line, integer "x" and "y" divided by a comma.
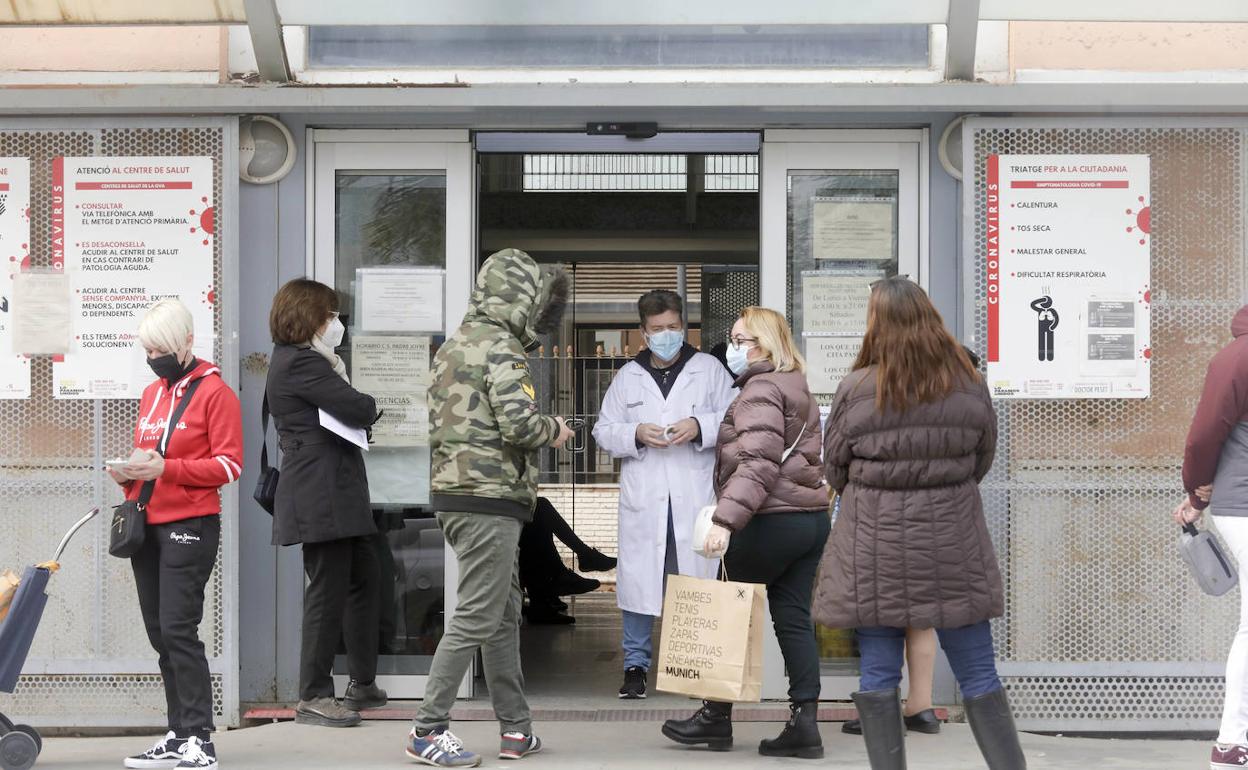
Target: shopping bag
{"x": 18, "y": 629}
{"x": 712, "y": 639}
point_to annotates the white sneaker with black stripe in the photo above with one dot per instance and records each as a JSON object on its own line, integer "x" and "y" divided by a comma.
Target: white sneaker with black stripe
{"x": 167, "y": 753}
{"x": 198, "y": 755}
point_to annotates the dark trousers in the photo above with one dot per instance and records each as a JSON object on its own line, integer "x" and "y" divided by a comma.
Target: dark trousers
{"x": 782, "y": 551}
{"x": 170, "y": 572}
{"x": 340, "y": 602}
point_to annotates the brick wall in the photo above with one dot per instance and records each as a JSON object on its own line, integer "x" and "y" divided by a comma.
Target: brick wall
{"x": 593, "y": 515}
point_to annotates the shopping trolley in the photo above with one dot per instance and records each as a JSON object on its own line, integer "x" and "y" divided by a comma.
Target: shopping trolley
{"x": 20, "y": 744}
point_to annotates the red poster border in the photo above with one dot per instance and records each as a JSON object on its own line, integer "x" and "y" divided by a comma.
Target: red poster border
{"x": 992, "y": 258}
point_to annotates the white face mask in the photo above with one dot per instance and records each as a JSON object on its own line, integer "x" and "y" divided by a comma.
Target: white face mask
{"x": 738, "y": 358}
{"x": 332, "y": 336}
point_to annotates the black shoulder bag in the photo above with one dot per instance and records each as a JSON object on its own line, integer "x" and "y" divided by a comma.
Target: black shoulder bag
{"x": 125, "y": 536}
{"x": 266, "y": 485}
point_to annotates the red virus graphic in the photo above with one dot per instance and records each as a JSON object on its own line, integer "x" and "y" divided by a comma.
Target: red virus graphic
{"x": 209, "y": 297}
{"x": 207, "y": 219}
{"x": 1143, "y": 220}
{"x": 20, "y": 263}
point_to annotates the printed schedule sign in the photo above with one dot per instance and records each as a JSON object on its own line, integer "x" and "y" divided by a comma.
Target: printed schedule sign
{"x": 130, "y": 232}
{"x": 1068, "y": 276}
{"x": 15, "y": 246}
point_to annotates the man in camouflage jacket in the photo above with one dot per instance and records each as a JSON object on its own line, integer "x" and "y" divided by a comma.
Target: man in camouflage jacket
{"x": 485, "y": 431}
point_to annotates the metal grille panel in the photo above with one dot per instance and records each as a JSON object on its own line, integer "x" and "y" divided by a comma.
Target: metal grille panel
{"x": 94, "y": 663}
{"x": 1079, "y": 496}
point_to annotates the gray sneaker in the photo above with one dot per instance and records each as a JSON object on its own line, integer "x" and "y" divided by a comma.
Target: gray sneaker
{"x": 364, "y": 696}
{"x": 325, "y": 712}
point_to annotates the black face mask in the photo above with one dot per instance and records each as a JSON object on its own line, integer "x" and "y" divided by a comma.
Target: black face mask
{"x": 167, "y": 367}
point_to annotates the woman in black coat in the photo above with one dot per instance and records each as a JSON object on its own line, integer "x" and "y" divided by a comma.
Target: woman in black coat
{"x": 322, "y": 502}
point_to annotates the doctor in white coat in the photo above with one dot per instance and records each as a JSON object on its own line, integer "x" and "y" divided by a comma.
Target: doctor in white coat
{"x": 661, "y": 416}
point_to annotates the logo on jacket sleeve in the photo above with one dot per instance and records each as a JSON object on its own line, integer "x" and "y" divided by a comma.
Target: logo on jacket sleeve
{"x": 529, "y": 391}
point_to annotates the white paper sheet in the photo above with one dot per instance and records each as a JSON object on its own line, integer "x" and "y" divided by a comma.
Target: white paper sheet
{"x": 357, "y": 436}
{"x": 391, "y": 299}
{"x": 41, "y": 323}
{"x": 852, "y": 228}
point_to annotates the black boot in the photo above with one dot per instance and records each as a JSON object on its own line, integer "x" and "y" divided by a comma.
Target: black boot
{"x": 800, "y": 737}
{"x": 711, "y": 724}
{"x": 993, "y": 727}
{"x": 882, "y": 730}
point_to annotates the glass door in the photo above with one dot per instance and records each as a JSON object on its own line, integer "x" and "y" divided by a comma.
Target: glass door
{"x": 392, "y": 233}
{"x": 840, "y": 209}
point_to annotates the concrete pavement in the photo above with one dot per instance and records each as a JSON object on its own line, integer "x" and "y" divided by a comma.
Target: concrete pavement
{"x": 619, "y": 746}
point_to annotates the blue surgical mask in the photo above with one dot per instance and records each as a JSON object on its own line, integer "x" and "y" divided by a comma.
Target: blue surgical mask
{"x": 738, "y": 358}
{"x": 666, "y": 344}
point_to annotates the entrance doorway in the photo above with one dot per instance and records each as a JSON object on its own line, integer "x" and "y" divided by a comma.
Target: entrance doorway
{"x": 620, "y": 224}
{"x": 793, "y": 220}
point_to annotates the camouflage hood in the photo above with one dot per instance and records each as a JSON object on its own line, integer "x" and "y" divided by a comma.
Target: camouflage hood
{"x": 513, "y": 292}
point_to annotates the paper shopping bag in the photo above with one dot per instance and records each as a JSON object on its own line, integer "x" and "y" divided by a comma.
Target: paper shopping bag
{"x": 712, "y": 639}
{"x": 8, "y": 587}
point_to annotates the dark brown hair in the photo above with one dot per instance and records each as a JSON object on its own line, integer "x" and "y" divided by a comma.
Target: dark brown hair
{"x": 300, "y": 309}
{"x": 915, "y": 357}
{"x": 659, "y": 301}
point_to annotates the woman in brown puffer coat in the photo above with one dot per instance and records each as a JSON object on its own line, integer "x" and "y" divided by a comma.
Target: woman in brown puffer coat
{"x": 911, "y": 434}
{"x": 773, "y": 502}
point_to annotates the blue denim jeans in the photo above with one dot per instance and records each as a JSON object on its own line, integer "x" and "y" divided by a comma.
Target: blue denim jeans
{"x": 638, "y": 636}
{"x": 969, "y": 650}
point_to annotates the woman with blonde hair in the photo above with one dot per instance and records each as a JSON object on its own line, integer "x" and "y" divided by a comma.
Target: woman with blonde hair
{"x": 188, "y": 444}
{"x": 772, "y": 501}
{"x": 911, "y": 434}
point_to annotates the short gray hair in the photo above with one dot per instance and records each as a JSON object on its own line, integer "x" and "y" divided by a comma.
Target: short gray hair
{"x": 166, "y": 326}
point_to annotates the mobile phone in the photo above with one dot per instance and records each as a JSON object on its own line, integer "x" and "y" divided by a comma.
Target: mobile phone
{"x": 116, "y": 464}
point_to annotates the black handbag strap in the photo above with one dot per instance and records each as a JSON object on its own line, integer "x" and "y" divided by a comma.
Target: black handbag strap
{"x": 145, "y": 493}
{"x": 264, "y": 434}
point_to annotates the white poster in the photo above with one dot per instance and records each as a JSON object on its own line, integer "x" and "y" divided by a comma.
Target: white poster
{"x": 394, "y": 370}
{"x": 1068, "y": 275}
{"x": 828, "y": 360}
{"x": 15, "y": 246}
{"x": 852, "y": 228}
{"x": 398, "y": 299}
{"x": 129, "y": 232}
{"x": 41, "y": 315}
{"x": 836, "y": 302}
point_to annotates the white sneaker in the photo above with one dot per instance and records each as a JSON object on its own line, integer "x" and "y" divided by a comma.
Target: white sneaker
{"x": 198, "y": 755}
{"x": 167, "y": 753}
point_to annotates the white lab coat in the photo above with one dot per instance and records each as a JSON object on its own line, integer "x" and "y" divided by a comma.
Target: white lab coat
{"x": 650, "y": 477}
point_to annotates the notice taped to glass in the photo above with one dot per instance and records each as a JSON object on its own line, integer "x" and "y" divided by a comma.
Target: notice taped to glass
{"x": 15, "y": 247}
{"x": 1068, "y": 273}
{"x": 394, "y": 370}
{"x": 129, "y": 232}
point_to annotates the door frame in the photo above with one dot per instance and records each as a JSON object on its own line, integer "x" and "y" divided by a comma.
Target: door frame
{"x": 905, "y": 150}
{"x": 449, "y": 152}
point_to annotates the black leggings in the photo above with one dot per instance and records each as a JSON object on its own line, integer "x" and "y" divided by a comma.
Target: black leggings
{"x": 782, "y": 551}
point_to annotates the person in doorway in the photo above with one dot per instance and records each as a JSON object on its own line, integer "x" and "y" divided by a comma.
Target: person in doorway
{"x": 911, "y": 433}
{"x": 660, "y": 417}
{"x": 1215, "y": 476}
{"x": 186, "y": 464}
{"x": 544, "y": 576}
{"x": 322, "y": 502}
{"x": 485, "y": 431}
{"x": 773, "y": 502}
